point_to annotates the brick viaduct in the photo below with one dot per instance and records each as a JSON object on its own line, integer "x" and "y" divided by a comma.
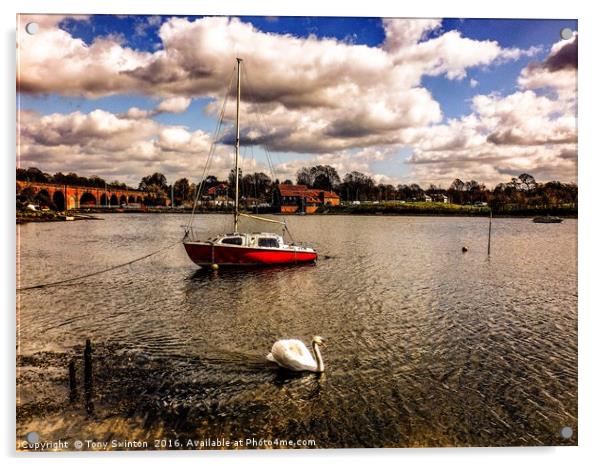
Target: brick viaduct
{"x": 67, "y": 197}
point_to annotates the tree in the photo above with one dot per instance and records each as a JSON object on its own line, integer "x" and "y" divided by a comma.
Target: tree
{"x": 304, "y": 176}
{"x": 388, "y": 192}
{"x": 457, "y": 185}
{"x": 211, "y": 181}
{"x": 27, "y": 194}
{"x": 256, "y": 185}
{"x": 156, "y": 187}
{"x": 21, "y": 174}
{"x": 37, "y": 175}
{"x": 356, "y": 186}
{"x": 96, "y": 181}
{"x": 324, "y": 177}
{"x": 527, "y": 182}
{"x": 44, "y": 200}
{"x": 181, "y": 190}
{"x": 456, "y": 191}
{"x": 154, "y": 181}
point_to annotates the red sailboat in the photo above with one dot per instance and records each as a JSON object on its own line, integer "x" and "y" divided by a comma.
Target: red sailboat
{"x": 242, "y": 249}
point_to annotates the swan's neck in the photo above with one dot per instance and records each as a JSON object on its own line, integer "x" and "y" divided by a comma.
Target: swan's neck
{"x": 318, "y": 356}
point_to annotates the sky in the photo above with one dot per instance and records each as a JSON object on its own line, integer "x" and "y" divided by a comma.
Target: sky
{"x": 402, "y": 100}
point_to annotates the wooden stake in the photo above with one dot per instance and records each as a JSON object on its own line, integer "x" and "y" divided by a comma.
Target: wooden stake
{"x": 489, "y": 237}
{"x": 72, "y": 380}
{"x": 88, "y": 377}
{"x": 88, "y": 364}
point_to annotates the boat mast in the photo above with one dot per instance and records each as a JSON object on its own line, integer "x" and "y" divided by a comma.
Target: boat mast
{"x": 238, "y": 62}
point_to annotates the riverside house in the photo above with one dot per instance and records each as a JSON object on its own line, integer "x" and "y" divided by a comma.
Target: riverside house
{"x": 298, "y": 198}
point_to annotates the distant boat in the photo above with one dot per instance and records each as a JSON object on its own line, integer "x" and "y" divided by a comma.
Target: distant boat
{"x": 241, "y": 249}
{"x": 547, "y": 219}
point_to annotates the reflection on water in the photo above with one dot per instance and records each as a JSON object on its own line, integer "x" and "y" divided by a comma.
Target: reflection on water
{"x": 427, "y": 346}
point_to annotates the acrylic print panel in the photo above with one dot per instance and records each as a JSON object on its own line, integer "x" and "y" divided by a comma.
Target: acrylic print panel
{"x": 415, "y": 284}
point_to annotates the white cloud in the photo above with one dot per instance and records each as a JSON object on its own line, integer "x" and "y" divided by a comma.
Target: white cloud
{"x": 332, "y": 98}
{"x": 100, "y": 143}
{"x": 401, "y": 33}
{"x": 507, "y": 135}
{"x": 137, "y": 113}
{"x": 503, "y": 137}
{"x": 557, "y": 72}
{"x": 174, "y": 105}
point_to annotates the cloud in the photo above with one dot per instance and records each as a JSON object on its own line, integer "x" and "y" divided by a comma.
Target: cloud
{"x": 332, "y": 99}
{"x": 563, "y": 56}
{"x": 53, "y": 61}
{"x": 449, "y": 54}
{"x": 402, "y": 33}
{"x": 505, "y": 135}
{"x": 354, "y": 94}
{"x": 136, "y": 113}
{"x": 169, "y": 105}
{"x": 557, "y": 72}
{"x": 174, "y": 105}
{"x": 108, "y": 145}
{"x": 343, "y": 161}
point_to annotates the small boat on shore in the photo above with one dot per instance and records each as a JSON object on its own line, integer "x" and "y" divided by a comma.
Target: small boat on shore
{"x": 244, "y": 249}
{"x": 547, "y": 219}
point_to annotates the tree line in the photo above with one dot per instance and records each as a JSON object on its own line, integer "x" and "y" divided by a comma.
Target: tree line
{"x": 36, "y": 175}
{"x": 522, "y": 191}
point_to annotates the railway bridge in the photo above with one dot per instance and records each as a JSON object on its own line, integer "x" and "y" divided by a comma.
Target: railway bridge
{"x": 67, "y": 197}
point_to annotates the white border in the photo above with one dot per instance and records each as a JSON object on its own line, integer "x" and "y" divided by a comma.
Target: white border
{"x": 590, "y": 173}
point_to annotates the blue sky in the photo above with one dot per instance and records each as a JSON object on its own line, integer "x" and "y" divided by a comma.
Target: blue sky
{"x": 453, "y": 95}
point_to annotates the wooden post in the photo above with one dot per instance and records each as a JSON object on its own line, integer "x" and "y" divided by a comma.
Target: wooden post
{"x": 88, "y": 364}
{"x": 489, "y": 237}
{"x": 72, "y": 381}
{"x": 88, "y": 377}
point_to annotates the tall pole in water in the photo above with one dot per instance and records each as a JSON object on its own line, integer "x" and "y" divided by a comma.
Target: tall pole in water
{"x": 238, "y": 62}
{"x": 489, "y": 237}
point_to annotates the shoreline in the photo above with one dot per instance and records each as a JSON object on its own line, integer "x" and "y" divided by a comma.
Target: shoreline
{"x": 88, "y": 214}
{"x": 51, "y": 216}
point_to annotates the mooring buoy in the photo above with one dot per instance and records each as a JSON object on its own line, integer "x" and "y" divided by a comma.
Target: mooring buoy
{"x": 214, "y": 266}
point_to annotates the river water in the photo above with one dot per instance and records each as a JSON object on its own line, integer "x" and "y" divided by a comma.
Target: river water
{"x": 426, "y": 345}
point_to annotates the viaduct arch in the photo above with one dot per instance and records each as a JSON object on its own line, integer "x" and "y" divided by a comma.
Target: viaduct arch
{"x": 66, "y": 197}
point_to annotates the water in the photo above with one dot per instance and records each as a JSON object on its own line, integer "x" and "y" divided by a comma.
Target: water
{"x": 426, "y": 345}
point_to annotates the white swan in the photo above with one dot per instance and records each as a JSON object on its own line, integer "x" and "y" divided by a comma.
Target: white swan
{"x": 294, "y": 355}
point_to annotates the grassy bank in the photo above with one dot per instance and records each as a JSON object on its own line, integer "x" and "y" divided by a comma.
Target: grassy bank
{"x": 440, "y": 208}
{"x": 383, "y": 208}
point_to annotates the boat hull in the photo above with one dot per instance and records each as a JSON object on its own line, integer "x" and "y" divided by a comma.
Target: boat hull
{"x": 204, "y": 254}
{"x": 547, "y": 220}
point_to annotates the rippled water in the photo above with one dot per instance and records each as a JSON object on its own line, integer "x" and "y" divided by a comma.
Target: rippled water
{"x": 427, "y": 346}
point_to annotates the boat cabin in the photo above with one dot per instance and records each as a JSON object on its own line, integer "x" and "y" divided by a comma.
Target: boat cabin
{"x": 251, "y": 240}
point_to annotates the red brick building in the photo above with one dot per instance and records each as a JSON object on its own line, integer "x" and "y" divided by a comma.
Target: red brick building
{"x": 296, "y": 198}
{"x": 218, "y": 195}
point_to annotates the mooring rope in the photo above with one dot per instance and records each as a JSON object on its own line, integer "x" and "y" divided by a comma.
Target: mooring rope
{"x": 98, "y": 272}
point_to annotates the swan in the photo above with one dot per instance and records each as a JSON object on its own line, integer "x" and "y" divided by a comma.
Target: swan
{"x": 294, "y": 355}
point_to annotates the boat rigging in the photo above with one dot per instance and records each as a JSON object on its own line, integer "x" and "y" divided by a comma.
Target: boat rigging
{"x": 239, "y": 248}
